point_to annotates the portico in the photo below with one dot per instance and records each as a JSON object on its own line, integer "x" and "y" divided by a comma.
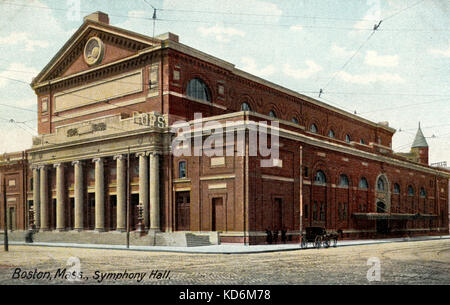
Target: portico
{"x": 62, "y": 168}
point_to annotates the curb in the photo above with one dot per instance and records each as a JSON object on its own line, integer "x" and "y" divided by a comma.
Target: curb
{"x": 295, "y": 247}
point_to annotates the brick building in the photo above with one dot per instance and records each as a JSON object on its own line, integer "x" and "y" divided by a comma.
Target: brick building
{"x": 109, "y": 99}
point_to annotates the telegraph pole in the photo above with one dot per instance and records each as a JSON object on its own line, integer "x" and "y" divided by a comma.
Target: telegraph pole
{"x": 5, "y": 217}
{"x": 128, "y": 198}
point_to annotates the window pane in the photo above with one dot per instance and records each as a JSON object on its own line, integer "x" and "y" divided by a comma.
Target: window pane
{"x": 198, "y": 90}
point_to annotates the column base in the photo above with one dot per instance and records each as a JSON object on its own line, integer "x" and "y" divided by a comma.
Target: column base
{"x": 99, "y": 230}
{"x": 61, "y": 230}
{"x": 120, "y": 230}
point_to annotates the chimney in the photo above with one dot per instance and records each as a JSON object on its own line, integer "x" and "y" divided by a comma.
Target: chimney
{"x": 98, "y": 17}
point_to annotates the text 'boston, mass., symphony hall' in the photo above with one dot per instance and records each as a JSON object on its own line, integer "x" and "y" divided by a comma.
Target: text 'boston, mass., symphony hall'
{"x": 182, "y": 147}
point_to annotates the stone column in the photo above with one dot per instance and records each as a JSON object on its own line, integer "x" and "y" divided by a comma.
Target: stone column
{"x": 44, "y": 225}
{"x": 60, "y": 197}
{"x": 154, "y": 192}
{"x": 79, "y": 196}
{"x": 99, "y": 195}
{"x": 36, "y": 198}
{"x": 121, "y": 190}
{"x": 143, "y": 187}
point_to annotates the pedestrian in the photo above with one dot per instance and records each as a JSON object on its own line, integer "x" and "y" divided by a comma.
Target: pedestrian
{"x": 283, "y": 235}
{"x": 268, "y": 236}
{"x": 275, "y": 236}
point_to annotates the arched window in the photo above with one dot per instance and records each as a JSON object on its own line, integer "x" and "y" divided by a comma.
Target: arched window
{"x": 245, "y": 107}
{"x": 410, "y": 191}
{"x": 423, "y": 193}
{"x": 363, "y": 184}
{"x": 320, "y": 178}
{"x": 331, "y": 133}
{"x": 396, "y": 188}
{"x": 313, "y": 128}
{"x": 272, "y": 114}
{"x": 294, "y": 120}
{"x": 380, "y": 185}
{"x": 197, "y": 89}
{"x": 347, "y": 138}
{"x": 343, "y": 182}
{"x": 182, "y": 169}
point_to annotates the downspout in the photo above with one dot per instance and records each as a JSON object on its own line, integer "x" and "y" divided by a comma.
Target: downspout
{"x": 301, "y": 193}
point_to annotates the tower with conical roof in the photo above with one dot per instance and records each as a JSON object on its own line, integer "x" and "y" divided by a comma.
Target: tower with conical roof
{"x": 420, "y": 147}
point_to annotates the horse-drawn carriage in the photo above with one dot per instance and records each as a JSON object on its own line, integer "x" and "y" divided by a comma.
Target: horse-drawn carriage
{"x": 319, "y": 237}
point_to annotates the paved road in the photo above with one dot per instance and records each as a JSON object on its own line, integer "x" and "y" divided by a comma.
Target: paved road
{"x": 419, "y": 262}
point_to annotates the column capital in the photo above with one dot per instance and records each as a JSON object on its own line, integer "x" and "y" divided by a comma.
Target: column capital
{"x": 97, "y": 160}
{"x": 56, "y": 165}
{"x": 43, "y": 167}
{"x": 77, "y": 162}
{"x": 34, "y": 167}
{"x": 142, "y": 154}
{"x": 119, "y": 157}
{"x": 154, "y": 153}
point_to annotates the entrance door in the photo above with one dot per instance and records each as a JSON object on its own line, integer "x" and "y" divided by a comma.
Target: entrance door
{"x": 112, "y": 212}
{"x": 12, "y": 219}
{"x": 218, "y": 215}
{"x": 382, "y": 224}
{"x": 134, "y": 212}
{"x": 278, "y": 214}
{"x": 183, "y": 211}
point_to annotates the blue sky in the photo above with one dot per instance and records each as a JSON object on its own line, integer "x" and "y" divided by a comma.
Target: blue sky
{"x": 398, "y": 73}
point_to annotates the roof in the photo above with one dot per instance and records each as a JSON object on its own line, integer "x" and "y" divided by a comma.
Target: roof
{"x": 419, "y": 140}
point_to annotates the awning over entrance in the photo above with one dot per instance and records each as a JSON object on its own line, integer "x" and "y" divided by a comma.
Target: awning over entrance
{"x": 392, "y": 216}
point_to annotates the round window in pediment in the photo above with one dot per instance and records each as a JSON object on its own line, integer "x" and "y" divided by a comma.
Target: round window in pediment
{"x": 93, "y": 51}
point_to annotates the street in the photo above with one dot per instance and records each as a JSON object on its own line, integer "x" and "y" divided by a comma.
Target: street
{"x": 419, "y": 262}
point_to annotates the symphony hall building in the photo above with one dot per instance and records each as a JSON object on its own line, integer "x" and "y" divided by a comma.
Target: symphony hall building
{"x": 104, "y": 155}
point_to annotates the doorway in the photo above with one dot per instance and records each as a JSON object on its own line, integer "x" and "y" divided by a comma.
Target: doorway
{"x": 277, "y": 219}
{"x": 11, "y": 218}
{"x": 382, "y": 224}
{"x": 183, "y": 211}
{"x": 218, "y": 215}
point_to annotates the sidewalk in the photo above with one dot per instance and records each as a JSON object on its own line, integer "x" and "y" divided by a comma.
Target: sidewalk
{"x": 226, "y": 248}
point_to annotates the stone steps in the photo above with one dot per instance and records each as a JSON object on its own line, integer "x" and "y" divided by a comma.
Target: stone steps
{"x": 193, "y": 240}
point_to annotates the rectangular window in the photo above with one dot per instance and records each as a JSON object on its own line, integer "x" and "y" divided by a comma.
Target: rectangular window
{"x": 322, "y": 212}
{"x": 182, "y": 169}
{"x": 305, "y": 171}
{"x": 345, "y": 211}
{"x": 315, "y": 210}
{"x": 44, "y": 105}
{"x": 305, "y": 213}
{"x": 153, "y": 77}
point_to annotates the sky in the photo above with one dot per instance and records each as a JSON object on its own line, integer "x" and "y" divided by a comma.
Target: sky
{"x": 397, "y": 73}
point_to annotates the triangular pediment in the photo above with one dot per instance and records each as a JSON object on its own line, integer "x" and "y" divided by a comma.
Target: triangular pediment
{"x": 116, "y": 44}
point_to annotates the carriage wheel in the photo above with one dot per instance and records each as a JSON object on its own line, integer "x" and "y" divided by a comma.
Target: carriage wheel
{"x": 335, "y": 242}
{"x": 304, "y": 243}
{"x": 317, "y": 242}
{"x": 326, "y": 242}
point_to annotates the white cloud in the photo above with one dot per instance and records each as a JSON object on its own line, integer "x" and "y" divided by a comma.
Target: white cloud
{"x": 338, "y": 51}
{"x": 312, "y": 68}
{"x": 13, "y": 138}
{"x": 373, "y": 59}
{"x": 368, "y": 78}
{"x": 251, "y": 67}
{"x": 445, "y": 53}
{"x": 19, "y": 72}
{"x": 296, "y": 28}
{"x": 264, "y": 11}
{"x": 221, "y": 33}
{"x": 22, "y": 38}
